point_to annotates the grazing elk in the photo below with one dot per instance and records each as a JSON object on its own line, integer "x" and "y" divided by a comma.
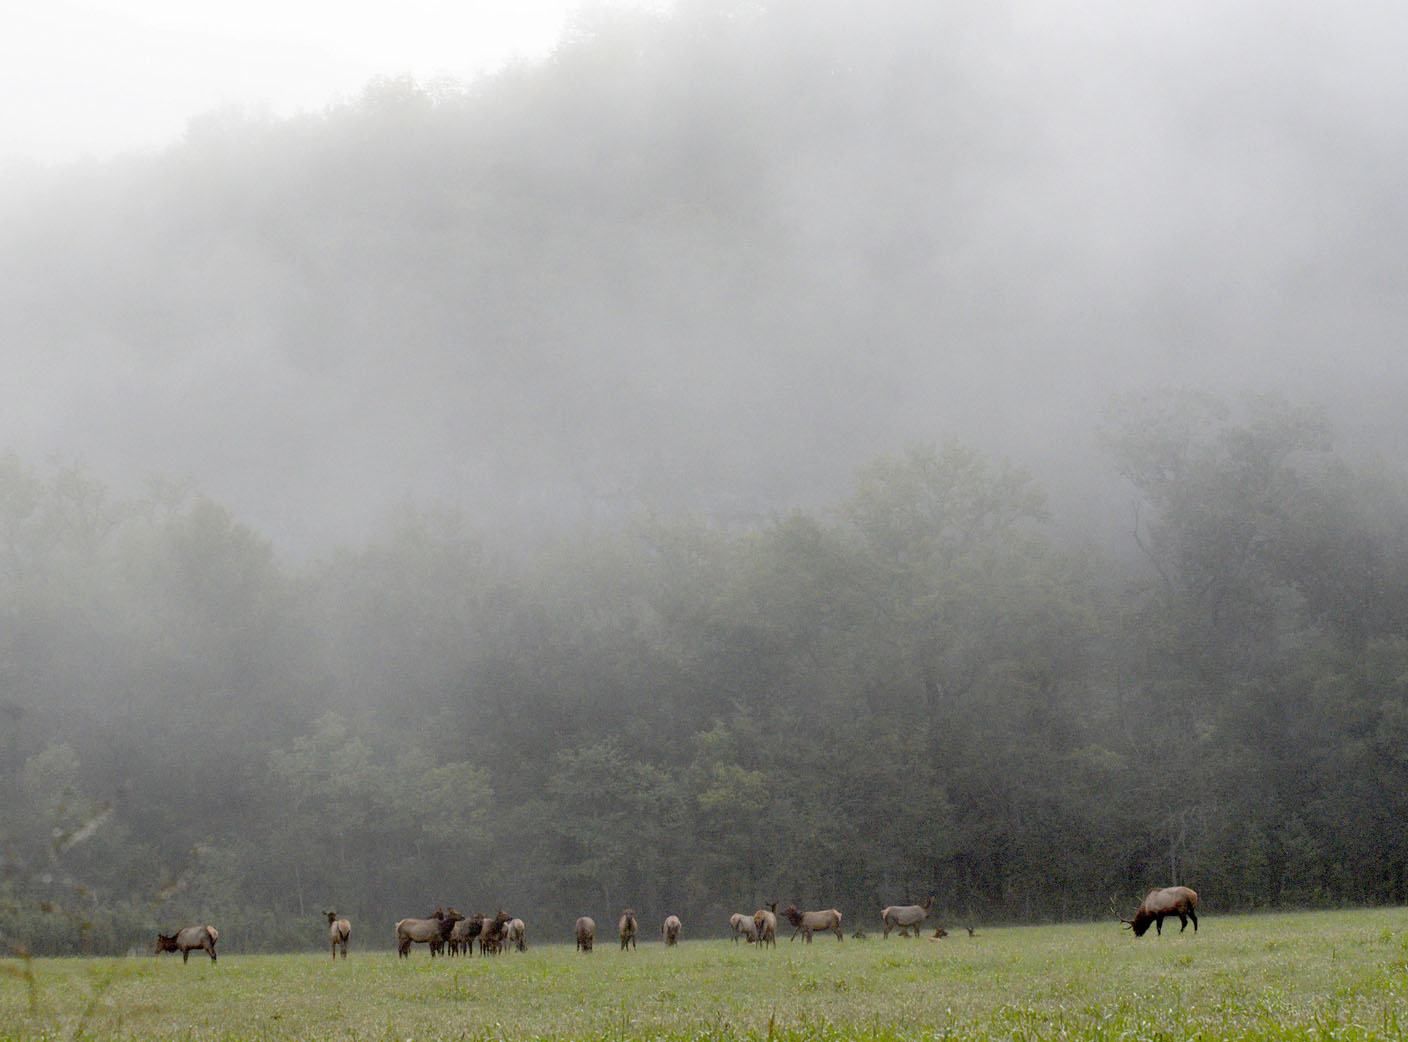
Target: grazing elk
{"x": 187, "y": 938}
{"x": 516, "y": 935}
{"x": 765, "y": 925}
{"x": 339, "y": 933}
{"x": 433, "y": 932}
{"x": 743, "y": 926}
{"x": 585, "y": 929}
{"x": 807, "y": 923}
{"x": 1172, "y": 900}
{"x": 670, "y": 929}
{"x": 905, "y": 916}
{"x": 626, "y": 927}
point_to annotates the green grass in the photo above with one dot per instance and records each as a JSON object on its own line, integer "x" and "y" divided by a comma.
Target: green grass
{"x": 1314, "y": 976}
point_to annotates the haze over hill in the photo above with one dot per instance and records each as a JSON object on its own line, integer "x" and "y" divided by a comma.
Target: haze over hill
{"x": 693, "y": 270}
{"x": 716, "y": 259}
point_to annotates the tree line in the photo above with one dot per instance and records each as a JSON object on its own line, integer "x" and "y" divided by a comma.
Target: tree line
{"x": 925, "y": 688}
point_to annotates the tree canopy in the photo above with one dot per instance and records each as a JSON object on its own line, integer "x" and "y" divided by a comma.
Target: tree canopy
{"x": 919, "y": 690}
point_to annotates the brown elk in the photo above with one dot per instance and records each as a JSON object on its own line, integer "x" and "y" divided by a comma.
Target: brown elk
{"x": 461, "y": 938}
{"x": 807, "y": 923}
{"x": 433, "y": 932}
{"x": 585, "y": 929}
{"x": 187, "y": 938}
{"x": 491, "y": 938}
{"x": 1172, "y": 900}
{"x": 339, "y": 933}
{"x": 905, "y": 916}
{"x": 765, "y": 925}
{"x": 626, "y": 927}
{"x": 670, "y": 929}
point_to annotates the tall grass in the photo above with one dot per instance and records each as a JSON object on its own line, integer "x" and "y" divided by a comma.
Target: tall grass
{"x": 1320, "y": 976}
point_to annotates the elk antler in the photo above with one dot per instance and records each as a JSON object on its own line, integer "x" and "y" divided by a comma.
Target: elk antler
{"x": 1117, "y": 912}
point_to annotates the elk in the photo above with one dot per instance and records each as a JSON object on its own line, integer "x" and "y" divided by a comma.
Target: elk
{"x": 585, "y": 929}
{"x": 626, "y": 927}
{"x": 1172, "y": 900}
{"x": 807, "y": 923}
{"x": 765, "y": 925}
{"x": 491, "y": 937}
{"x": 434, "y": 932}
{"x": 905, "y": 916}
{"x": 187, "y": 938}
{"x": 670, "y": 929}
{"x": 339, "y": 933}
{"x": 743, "y": 926}
{"x": 462, "y": 936}
{"x": 516, "y": 934}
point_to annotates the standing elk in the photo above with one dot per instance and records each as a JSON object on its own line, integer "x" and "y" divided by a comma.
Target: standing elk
{"x": 626, "y": 927}
{"x": 905, "y": 916}
{"x": 765, "y": 925}
{"x": 743, "y": 926}
{"x": 433, "y": 932}
{"x": 670, "y": 929}
{"x": 187, "y": 938}
{"x": 807, "y": 923}
{"x": 339, "y": 933}
{"x": 491, "y": 937}
{"x": 1172, "y": 900}
{"x": 585, "y": 930}
{"x": 461, "y": 938}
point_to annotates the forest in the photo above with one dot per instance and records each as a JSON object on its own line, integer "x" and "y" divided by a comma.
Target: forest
{"x": 916, "y": 690}
{"x": 769, "y": 451}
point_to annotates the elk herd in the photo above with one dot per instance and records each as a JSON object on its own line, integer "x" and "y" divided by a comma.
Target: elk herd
{"x": 452, "y": 934}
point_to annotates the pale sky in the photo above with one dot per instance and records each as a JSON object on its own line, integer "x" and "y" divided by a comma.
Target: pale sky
{"x": 102, "y": 77}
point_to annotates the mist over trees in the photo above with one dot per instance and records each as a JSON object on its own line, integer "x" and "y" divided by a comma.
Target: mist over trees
{"x": 714, "y": 261}
{"x": 719, "y": 464}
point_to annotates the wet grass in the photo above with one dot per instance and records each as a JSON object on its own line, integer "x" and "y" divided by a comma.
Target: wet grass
{"x": 1314, "y": 976}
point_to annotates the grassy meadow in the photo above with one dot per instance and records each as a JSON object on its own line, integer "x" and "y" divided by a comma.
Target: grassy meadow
{"x": 1320, "y": 975}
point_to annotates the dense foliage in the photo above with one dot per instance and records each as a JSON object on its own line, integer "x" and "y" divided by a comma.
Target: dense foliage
{"x": 918, "y": 690}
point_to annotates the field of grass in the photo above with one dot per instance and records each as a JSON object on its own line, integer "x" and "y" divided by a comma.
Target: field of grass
{"x": 1321, "y": 976}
